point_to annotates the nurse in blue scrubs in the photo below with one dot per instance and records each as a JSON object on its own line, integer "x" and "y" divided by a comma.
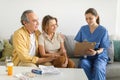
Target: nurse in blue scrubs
{"x": 94, "y": 63}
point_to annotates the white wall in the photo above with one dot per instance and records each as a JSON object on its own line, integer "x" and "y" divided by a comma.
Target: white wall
{"x": 70, "y": 13}
{"x": 118, "y": 19}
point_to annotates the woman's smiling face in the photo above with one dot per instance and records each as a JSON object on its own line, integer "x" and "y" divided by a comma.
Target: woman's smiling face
{"x": 90, "y": 19}
{"x": 52, "y": 26}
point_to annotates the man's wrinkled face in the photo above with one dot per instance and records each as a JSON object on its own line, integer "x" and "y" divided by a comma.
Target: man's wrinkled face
{"x": 33, "y": 23}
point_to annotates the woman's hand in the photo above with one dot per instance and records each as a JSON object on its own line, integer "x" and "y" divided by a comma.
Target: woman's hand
{"x": 55, "y": 55}
{"x": 91, "y": 52}
{"x": 63, "y": 53}
{"x": 65, "y": 64}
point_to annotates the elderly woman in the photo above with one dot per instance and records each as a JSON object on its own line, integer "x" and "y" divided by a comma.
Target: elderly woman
{"x": 51, "y": 44}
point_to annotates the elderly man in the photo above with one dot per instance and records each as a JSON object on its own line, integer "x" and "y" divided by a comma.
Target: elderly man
{"x": 25, "y": 41}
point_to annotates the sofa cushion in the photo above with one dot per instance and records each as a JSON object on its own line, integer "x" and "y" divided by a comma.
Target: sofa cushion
{"x": 69, "y": 45}
{"x": 113, "y": 70}
{"x": 11, "y": 39}
{"x": 117, "y": 50}
{"x": 111, "y": 52}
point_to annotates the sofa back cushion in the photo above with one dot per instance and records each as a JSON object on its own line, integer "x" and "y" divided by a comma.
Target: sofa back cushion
{"x": 111, "y": 52}
{"x": 69, "y": 45}
{"x": 116, "y": 50}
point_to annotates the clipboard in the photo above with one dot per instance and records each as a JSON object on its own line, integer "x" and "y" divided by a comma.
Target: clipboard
{"x": 81, "y": 48}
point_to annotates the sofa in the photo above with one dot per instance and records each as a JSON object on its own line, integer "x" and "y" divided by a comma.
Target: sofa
{"x": 113, "y": 67}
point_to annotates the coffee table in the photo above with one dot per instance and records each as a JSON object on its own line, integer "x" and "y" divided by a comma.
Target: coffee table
{"x": 66, "y": 74}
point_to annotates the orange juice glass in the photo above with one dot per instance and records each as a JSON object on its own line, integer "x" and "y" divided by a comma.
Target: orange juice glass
{"x": 10, "y": 68}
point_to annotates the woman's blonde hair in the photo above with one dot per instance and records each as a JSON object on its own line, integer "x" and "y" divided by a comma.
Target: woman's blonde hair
{"x": 45, "y": 21}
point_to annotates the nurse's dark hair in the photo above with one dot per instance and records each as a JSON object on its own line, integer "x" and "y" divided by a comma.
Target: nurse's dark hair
{"x": 93, "y": 12}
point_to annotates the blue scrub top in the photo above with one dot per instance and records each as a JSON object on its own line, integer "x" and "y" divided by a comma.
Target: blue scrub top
{"x": 100, "y": 36}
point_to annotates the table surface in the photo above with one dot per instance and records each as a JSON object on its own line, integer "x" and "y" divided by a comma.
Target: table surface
{"x": 65, "y": 74}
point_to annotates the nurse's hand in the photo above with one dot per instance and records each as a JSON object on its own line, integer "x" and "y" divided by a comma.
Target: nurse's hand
{"x": 91, "y": 52}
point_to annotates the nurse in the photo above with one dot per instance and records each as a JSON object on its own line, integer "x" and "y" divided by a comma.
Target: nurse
{"x": 94, "y": 64}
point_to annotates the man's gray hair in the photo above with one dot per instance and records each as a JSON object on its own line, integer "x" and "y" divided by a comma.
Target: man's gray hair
{"x": 24, "y": 16}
